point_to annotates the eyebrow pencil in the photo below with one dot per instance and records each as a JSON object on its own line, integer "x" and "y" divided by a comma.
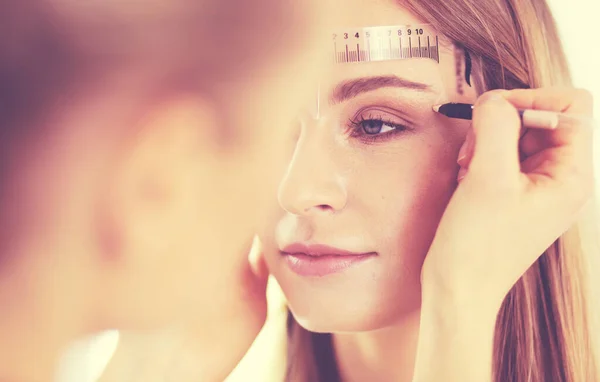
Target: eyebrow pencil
{"x": 530, "y": 118}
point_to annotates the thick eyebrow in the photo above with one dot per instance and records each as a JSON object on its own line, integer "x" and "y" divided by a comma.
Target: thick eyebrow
{"x": 352, "y": 88}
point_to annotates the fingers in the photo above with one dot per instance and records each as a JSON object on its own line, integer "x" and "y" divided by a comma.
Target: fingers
{"x": 564, "y": 156}
{"x": 560, "y": 185}
{"x": 562, "y": 100}
{"x": 465, "y": 155}
{"x": 466, "y": 152}
{"x": 496, "y": 129}
{"x": 574, "y": 139}
{"x": 534, "y": 141}
{"x": 257, "y": 260}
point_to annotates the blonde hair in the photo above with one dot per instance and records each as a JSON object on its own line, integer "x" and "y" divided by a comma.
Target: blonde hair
{"x": 543, "y": 328}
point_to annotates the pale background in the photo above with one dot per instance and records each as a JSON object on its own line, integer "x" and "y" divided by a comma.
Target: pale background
{"x": 579, "y": 24}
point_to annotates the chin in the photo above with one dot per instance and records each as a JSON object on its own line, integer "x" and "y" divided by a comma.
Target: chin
{"x": 364, "y": 312}
{"x": 362, "y": 298}
{"x": 325, "y": 321}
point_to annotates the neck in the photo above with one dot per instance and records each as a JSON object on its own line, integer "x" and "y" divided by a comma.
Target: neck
{"x": 169, "y": 354}
{"x": 141, "y": 356}
{"x": 386, "y": 355}
{"x": 27, "y": 352}
{"x": 37, "y": 323}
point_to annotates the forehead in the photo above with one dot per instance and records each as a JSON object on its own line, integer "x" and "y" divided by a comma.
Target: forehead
{"x": 352, "y": 15}
{"x": 420, "y": 71}
{"x": 356, "y": 13}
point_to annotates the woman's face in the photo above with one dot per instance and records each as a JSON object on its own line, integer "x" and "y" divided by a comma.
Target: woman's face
{"x": 370, "y": 176}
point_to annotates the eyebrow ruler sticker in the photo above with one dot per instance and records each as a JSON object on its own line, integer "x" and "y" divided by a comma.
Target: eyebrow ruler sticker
{"x": 385, "y": 43}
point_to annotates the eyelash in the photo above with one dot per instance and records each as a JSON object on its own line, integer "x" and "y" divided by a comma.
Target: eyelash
{"x": 357, "y": 129}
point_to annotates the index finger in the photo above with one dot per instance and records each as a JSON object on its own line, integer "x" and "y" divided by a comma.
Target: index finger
{"x": 573, "y": 102}
{"x": 563, "y": 100}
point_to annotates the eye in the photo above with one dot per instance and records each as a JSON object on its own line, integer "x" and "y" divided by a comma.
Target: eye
{"x": 377, "y": 126}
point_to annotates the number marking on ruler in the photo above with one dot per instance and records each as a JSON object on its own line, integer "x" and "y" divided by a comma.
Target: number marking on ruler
{"x": 379, "y": 42}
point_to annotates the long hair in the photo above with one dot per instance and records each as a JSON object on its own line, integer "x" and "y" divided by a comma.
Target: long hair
{"x": 543, "y": 328}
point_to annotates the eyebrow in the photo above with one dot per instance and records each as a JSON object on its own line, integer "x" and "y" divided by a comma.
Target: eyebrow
{"x": 352, "y": 88}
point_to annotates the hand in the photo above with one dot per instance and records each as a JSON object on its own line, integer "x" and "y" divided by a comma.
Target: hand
{"x": 208, "y": 345}
{"x": 217, "y": 346}
{"x": 517, "y": 194}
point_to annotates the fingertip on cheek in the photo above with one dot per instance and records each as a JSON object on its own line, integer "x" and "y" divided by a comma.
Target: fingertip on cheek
{"x": 461, "y": 174}
{"x": 462, "y": 153}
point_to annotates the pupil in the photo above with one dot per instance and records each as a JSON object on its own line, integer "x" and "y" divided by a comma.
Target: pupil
{"x": 372, "y": 126}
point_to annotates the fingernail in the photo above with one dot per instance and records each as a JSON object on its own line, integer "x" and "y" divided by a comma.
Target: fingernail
{"x": 462, "y": 154}
{"x": 464, "y": 150}
{"x": 493, "y": 96}
{"x": 461, "y": 174}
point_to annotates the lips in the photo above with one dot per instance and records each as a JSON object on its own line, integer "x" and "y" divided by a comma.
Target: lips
{"x": 317, "y": 250}
{"x": 318, "y": 260}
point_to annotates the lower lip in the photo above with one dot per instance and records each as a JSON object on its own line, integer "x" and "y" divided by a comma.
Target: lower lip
{"x": 319, "y": 266}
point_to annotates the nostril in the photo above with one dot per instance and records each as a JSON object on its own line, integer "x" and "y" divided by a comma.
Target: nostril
{"x": 326, "y": 208}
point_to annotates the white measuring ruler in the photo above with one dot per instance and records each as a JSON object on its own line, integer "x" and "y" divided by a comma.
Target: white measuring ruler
{"x": 385, "y": 43}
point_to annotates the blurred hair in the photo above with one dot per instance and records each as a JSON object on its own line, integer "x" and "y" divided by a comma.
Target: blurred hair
{"x": 55, "y": 53}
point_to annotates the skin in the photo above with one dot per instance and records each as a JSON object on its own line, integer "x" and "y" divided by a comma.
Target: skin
{"x": 514, "y": 179}
{"x": 363, "y": 194}
{"x": 142, "y": 217}
{"x": 390, "y": 196}
{"x": 454, "y": 332}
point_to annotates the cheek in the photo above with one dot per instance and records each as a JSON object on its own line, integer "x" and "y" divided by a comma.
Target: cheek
{"x": 405, "y": 196}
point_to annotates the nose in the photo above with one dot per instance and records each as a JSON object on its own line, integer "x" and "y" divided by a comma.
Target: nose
{"x": 312, "y": 183}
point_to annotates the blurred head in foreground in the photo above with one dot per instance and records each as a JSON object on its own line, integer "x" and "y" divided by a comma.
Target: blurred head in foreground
{"x": 136, "y": 148}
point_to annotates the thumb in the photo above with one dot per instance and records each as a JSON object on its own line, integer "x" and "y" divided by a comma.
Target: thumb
{"x": 496, "y": 126}
{"x": 257, "y": 260}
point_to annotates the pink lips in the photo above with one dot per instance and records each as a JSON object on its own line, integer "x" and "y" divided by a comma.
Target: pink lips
{"x": 318, "y": 260}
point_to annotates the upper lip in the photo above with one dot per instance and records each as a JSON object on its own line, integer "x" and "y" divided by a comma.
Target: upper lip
{"x": 318, "y": 250}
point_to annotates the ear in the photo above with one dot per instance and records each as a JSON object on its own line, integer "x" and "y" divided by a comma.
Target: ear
{"x": 153, "y": 190}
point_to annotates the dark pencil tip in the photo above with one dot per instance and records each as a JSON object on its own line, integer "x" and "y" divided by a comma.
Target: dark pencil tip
{"x": 455, "y": 110}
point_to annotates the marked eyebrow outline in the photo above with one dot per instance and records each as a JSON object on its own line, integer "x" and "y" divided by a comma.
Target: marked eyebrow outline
{"x": 352, "y": 88}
